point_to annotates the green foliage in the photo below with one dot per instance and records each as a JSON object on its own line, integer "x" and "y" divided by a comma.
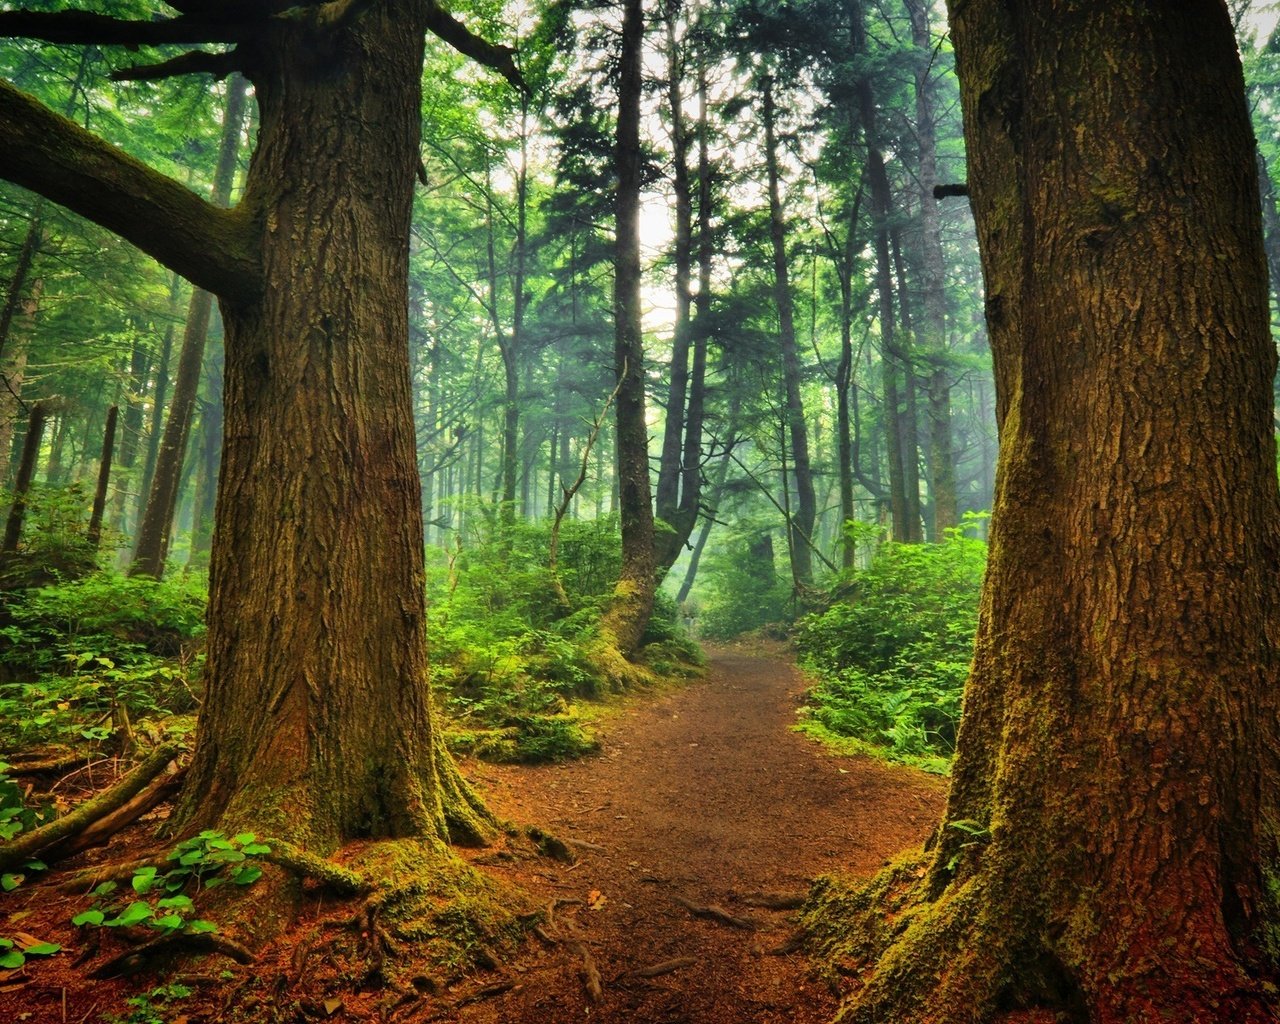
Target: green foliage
{"x": 13, "y": 954}
{"x": 149, "y": 1007}
{"x": 55, "y": 543}
{"x": 95, "y": 644}
{"x": 892, "y": 651}
{"x": 743, "y": 588}
{"x": 17, "y": 816}
{"x": 199, "y": 864}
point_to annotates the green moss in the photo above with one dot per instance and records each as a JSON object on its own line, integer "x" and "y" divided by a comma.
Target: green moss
{"x": 457, "y": 918}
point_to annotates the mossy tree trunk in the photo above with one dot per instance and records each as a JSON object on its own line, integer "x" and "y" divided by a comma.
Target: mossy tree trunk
{"x": 316, "y": 724}
{"x": 1118, "y": 763}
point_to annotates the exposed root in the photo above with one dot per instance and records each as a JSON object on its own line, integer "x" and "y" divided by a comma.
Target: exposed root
{"x": 590, "y": 973}
{"x": 333, "y": 877}
{"x": 140, "y": 957}
{"x": 469, "y": 821}
{"x": 715, "y": 913}
{"x": 666, "y": 967}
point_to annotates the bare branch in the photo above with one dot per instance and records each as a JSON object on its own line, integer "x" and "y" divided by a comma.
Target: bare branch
{"x": 45, "y": 152}
{"x": 498, "y": 58}
{"x": 196, "y": 62}
{"x": 84, "y": 27}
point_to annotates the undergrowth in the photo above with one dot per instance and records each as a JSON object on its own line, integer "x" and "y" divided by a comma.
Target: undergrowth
{"x": 90, "y": 661}
{"x": 891, "y": 651}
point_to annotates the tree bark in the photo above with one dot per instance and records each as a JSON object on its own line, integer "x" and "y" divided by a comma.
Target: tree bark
{"x": 1118, "y": 758}
{"x": 317, "y": 722}
{"x": 631, "y": 605}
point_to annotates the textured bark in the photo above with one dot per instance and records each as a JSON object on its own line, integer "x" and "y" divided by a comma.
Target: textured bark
{"x": 13, "y": 368}
{"x": 806, "y": 511}
{"x": 162, "y": 500}
{"x": 1119, "y": 741}
{"x": 632, "y": 602}
{"x": 317, "y": 723}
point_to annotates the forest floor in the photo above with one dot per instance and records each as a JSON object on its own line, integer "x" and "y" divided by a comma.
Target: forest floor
{"x": 701, "y": 797}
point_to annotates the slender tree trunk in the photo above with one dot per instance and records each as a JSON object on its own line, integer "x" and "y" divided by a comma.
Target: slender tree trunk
{"x": 624, "y": 623}
{"x": 162, "y": 501}
{"x": 806, "y": 499}
{"x": 670, "y": 468}
{"x": 909, "y": 420}
{"x": 22, "y": 483}
{"x": 158, "y": 397}
{"x": 13, "y": 366}
{"x": 1118, "y": 762}
{"x": 94, "y": 534}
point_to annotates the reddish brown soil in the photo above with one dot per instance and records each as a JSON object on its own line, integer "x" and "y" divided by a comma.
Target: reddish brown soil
{"x": 703, "y": 794}
{"x": 708, "y": 795}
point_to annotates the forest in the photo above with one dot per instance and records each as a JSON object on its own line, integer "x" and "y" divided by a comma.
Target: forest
{"x": 648, "y": 511}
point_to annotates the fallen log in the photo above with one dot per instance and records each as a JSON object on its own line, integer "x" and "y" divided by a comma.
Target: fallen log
{"x": 29, "y": 844}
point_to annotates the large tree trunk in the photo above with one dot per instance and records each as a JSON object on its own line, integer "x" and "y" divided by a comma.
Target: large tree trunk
{"x": 632, "y": 603}
{"x": 800, "y": 525}
{"x": 1116, "y": 780}
{"x": 317, "y": 723}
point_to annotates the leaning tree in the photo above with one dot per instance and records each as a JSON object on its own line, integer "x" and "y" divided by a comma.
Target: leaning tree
{"x": 316, "y": 723}
{"x": 1110, "y": 842}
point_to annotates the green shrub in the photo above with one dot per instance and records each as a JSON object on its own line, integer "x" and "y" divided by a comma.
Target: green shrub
{"x": 892, "y": 650}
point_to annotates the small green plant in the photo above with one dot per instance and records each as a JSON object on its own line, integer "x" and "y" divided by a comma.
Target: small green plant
{"x": 16, "y": 816}
{"x": 203, "y": 862}
{"x": 892, "y": 649}
{"x": 147, "y": 1007}
{"x": 976, "y": 833}
{"x": 14, "y": 951}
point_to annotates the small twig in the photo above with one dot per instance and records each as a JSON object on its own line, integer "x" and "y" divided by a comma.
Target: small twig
{"x": 488, "y": 992}
{"x": 582, "y": 844}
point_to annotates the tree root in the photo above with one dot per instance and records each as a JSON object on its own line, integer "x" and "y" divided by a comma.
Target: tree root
{"x": 715, "y": 913}
{"x": 29, "y": 844}
{"x": 666, "y": 967}
{"x": 468, "y": 820}
{"x": 136, "y": 959}
{"x": 334, "y": 877}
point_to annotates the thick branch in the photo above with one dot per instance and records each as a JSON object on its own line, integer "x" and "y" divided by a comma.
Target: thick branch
{"x": 219, "y": 65}
{"x": 85, "y": 28}
{"x": 498, "y": 58}
{"x": 53, "y": 156}
{"x": 29, "y": 844}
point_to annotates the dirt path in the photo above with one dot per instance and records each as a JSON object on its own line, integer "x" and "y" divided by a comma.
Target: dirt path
{"x": 707, "y": 795}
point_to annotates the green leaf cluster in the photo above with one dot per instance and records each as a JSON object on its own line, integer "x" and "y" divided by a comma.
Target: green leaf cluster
{"x": 892, "y": 650}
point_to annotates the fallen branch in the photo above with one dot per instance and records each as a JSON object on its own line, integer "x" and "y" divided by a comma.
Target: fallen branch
{"x": 666, "y": 967}
{"x": 29, "y": 844}
{"x": 715, "y": 913}
{"x": 105, "y": 827}
{"x": 488, "y": 992}
{"x": 59, "y": 762}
